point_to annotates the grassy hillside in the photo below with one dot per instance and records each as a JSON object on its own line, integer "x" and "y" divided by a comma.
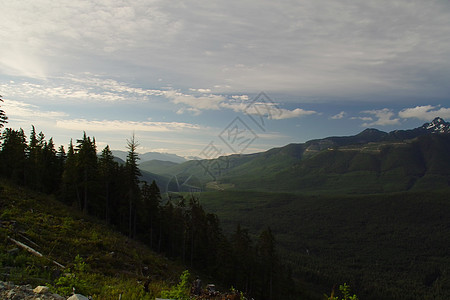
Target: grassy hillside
{"x": 111, "y": 264}
{"x": 330, "y": 166}
{"x": 392, "y": 246}
{"x": 419, "y": 164}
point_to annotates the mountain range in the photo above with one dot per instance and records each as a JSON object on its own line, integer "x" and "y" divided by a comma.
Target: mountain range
{"x": 372, "y": 161}
{"x": 151, "y": 156}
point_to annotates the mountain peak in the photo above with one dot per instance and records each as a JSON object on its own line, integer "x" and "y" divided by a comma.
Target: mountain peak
{"x": 438, "y": 125}
{"x": 372, "y": 133}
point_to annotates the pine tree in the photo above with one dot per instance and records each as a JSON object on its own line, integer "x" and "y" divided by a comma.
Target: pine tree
{"x": 69, "y": 178}
{"x": 133, "y": 173}
{"x": 151, "y": 198}
{"x": 108, "y": 170}
{"x": 268, "y": 261}
{"x": 3, "y": 117}
{"x": 13, "y": 155}
{"x": 244, "y": 262}
{"x": 34, "y": 160}
{"x": 61, "y": 154}
{"x": 51, "y": 172}
{"x": 86, "y": 158}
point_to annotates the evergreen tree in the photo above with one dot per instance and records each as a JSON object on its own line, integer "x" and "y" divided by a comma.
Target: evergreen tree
{"x": 3, "y": 117}
{"x": 51, "y": 171}
{"x": 61, "y": 161}
{"x": 86, "y": 158}
{"x": 268, "y": 262}
{"x": 132, "y": 181}
{"x": 34, "y": 161}
{"x": 70, "y": 191}
{"x": 244, "y": 259}
{"x": 61, "y": 155}
{"x": 108, "y": 171}
{"x": 151, "y": 198}
{"x": 13, "y": 155}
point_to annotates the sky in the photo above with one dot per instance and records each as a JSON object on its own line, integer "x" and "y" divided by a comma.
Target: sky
{"x": 209, "y": 78}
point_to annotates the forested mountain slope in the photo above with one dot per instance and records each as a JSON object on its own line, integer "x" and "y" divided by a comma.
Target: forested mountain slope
{"x": 369, "y": 162}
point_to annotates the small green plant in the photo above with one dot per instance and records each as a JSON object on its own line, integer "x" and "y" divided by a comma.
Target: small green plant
{"x": 236, "y": 292}
{"x": 181, "y": 291}
{"x": 73, "y": 279}
{"x": 345, "y": 291}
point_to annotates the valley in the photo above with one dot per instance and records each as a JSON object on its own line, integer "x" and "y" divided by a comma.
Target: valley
{"x": 370, "y": 209}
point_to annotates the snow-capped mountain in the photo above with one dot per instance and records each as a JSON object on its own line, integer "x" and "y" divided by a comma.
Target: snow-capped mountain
{"x": 438, "y": 125}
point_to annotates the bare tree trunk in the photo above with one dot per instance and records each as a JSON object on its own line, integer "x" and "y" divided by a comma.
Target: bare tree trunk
{"x": 107, "y": 204}
{"x": 85, "y": 206}
{"x": 130, "y": 221}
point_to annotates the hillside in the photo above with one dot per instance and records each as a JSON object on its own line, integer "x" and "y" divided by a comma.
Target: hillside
{"x": 114, "y": 264}
{"x": 419, "y": 164}
{"x": 156, "y": 166}
{"x": 369, "y": 162}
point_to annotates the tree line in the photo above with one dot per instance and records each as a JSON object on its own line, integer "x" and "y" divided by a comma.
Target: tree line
{"x": 100, "y": 186}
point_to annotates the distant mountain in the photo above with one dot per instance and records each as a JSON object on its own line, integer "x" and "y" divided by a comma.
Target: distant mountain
{"x": 151, "y": 156}
{"x": 372, "y": 161}
{"x": 156, "y": 166}
{"x": 438, "y": 125}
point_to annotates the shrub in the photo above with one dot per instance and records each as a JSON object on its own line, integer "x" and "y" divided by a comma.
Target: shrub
{"x": 73, "y": 279}
{"x": 345, "y": 290}
{"x": 181, "y": 291}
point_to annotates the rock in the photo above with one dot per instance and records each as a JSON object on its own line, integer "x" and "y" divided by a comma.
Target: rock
{"x": 57, "y": 297}
{"x": 10, "y": 291}
{"x": 77, "y": 297}
{"x": 41, "y": 289}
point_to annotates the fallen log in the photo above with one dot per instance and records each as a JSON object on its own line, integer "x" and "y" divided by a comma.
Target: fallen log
{"x": 32, "y": 251}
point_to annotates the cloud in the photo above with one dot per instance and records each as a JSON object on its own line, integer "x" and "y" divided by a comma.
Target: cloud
{"x": 128, "y": 126}
{"x": 296, "y": 113}
{"x": 267, "y": 109}
{"x": 90, "y": 87}
{"x": 362, "y": 118}
{"x": 319, "y": 48}
{"x": 84, "y": 87}
{"x": 238, "y": 103}
{"x": 426, "y": 112}
{"x": 384, "y": 117}
{"x": 339, "y": 116}
{"x": 18, "y": 109}
{"x": 204, "y": 102}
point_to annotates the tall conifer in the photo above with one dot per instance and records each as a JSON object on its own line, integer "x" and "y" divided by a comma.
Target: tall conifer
{"x": 133, "y": 174}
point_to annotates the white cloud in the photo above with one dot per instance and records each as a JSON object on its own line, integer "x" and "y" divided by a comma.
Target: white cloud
{"x": 128, "y": 126}
{"x": 339, "y": 116}
{"x": 18, "y": 109}
{"x": 320, "y": 47}
{"x": 89, "y": 87}
{"x": 367, "y": 119}
{"x": 426, "y": 112}
{"x": 206, "y": 102}
{"x": 191, "y": 110}
{"x": 269, "y": 110}
{"x": 287, "y": 114}
{"x": 83, "y": 87}
{"x": 384, "y": 117}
